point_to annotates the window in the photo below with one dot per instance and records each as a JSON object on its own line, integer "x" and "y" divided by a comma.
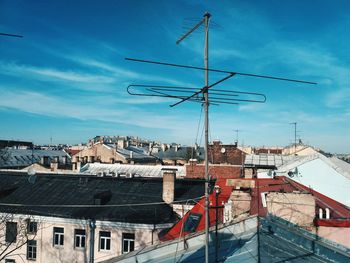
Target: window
{"x": 128, "y": 242}
{"x": 11, "y": 232}
{"x": 31, "y": 249}
{"x": 7, "y": 260}
{"x": 105, "y": 240}
{"x": 79, "y": 237}
{"x": 32, "y": 227}
{"x": 192, "y": 222}
{"x": 58, "y": 236}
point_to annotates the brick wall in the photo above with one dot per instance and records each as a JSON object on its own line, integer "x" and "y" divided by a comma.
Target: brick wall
{"x": 225, "y": 153}
{"x": 194, "y": 170}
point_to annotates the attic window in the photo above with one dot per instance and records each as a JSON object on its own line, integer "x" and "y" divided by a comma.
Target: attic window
{"x": 192, "y": 222}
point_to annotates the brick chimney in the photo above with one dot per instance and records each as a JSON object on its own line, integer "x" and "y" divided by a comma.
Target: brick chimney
{"x": 169, "y": 185}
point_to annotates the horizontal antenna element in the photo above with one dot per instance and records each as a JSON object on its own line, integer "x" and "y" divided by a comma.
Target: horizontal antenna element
{"x": 219, "y": 71}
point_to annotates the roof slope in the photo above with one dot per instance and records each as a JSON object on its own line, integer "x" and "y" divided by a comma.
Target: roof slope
{"x": 276, "y": 241}
{"x": 25, "y": 157}
{"x": 120, "y": 198}
{"x": 135, "y": 169}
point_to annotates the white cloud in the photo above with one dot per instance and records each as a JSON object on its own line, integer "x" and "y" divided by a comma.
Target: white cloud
{"x": 51, "y": 74}
{"x": 41, "y": 104}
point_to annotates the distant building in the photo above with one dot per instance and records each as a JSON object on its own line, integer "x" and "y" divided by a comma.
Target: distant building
{"x": 6, "y": 144}
{"x": 112, "y": 153}
{"x": 175, "y": 154}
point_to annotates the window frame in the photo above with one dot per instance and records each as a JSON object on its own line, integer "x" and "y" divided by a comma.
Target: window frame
{"x": 32, "y": 227}
{"x": 32, "y": 251}
{"x": 59, "y": 232}
{"x": 130, "y": 239}
{"x": 79, "y": 234}
{"x": 104, "y": 241}
{"x": 11, "y": 232}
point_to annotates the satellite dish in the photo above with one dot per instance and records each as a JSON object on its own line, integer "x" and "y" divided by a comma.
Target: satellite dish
{"x": 31, "y": 171}
{"x": 223, "y": 150}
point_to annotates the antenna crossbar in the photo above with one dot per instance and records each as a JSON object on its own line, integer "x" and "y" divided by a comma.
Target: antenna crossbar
{"x": 220, "y": 71}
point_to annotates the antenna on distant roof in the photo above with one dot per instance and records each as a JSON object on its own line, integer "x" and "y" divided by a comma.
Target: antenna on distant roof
{"x": 201, "y": 95}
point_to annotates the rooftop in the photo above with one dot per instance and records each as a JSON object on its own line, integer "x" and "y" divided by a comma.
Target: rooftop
{"x": 137, "y": 200}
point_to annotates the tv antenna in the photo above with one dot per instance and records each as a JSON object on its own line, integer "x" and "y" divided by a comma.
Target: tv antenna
{"x": 201, "y": 95}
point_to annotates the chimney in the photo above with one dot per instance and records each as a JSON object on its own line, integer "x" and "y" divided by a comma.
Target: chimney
{"x": 121, "y": 143}
{"x": 168, "y": 185}
{"x": 131, "y": 154}
{"x": 54, "y": 166}
{"x": 164, "y": 147}
{"x": 78, "y": 166}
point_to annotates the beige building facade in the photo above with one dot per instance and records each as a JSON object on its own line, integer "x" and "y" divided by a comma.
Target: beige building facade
{"x": 69, "y": 240}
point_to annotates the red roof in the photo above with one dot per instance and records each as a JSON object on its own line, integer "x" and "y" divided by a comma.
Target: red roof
{"x": 72, "y": 152}
{"x": 278, "y": 184}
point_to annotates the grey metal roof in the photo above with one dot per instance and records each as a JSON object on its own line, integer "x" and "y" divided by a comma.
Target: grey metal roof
{"x": 130, "y": 169}
{"x": 275, "y": 160}
{"x": 136, "y": 153}
{"x": 25, "y": 157}
{"x": 276, "y": 241}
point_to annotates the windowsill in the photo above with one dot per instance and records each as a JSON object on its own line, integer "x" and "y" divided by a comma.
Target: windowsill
{"x": 104, "y": 250}
{"x": 58, "y": 246}
{"x": 79, "y": 248}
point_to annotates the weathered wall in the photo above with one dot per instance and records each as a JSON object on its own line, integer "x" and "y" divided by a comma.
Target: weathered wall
{"x": 340, "y": 235}
{"x": 296, "y": 208}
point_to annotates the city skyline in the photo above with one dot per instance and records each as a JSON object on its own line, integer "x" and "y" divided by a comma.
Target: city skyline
{"x": 66, "y": 78}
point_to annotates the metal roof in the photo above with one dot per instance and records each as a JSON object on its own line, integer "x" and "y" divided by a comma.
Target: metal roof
{"x": 26, "y": 157}
{"x": 130, "y": 169}
{"x": 276, "y": 241}
{"x": 275, "y": 160}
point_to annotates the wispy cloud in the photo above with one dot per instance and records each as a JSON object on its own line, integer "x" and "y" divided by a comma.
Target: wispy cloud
{"x": 51, "y": 74}
{"x": 46, "y": 105}
{"x": 124, "y": 73}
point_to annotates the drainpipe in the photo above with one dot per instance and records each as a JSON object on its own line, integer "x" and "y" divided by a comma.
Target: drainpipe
{"x": 92, "y": 225}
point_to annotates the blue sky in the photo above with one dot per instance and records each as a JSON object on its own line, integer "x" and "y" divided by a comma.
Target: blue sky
{"x": 67, "y": 77}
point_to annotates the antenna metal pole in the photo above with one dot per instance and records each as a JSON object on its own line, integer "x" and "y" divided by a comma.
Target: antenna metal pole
{"x": 206, "y": 124}
{"x": 295, "y": 137}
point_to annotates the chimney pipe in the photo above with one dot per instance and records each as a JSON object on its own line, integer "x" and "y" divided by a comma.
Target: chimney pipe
{"x": 168, "y": 186}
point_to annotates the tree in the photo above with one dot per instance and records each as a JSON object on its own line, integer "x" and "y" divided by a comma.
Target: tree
{"x": 15, "y": 232}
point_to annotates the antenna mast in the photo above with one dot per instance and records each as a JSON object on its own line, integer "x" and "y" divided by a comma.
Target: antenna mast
{"x": 295, "y": 137}
{"x": 204, "y": 90}
{"x": 206, "y": 127}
